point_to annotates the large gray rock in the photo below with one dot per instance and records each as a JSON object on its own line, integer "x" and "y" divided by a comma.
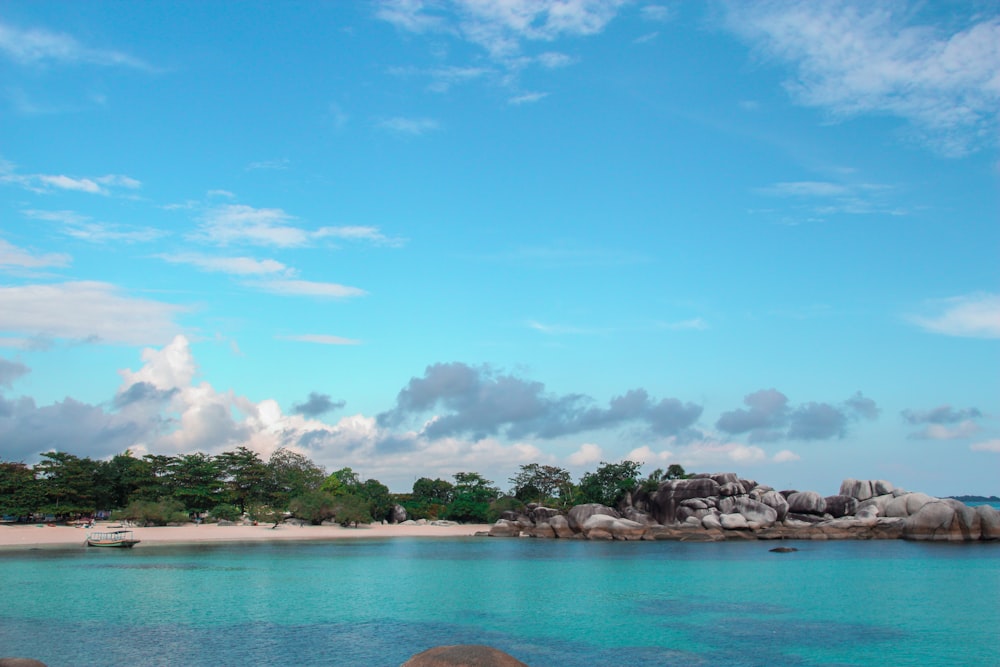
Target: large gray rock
{"x": 907, "y": 504}
{"x": 468, "y": 655}
{"x": 540, "y": 513}
{"x": 560, "y": 526}
{"x": 859, "y": 489}
{"x": 806, "y": 502}
{"x": 397, "y": 514}
{"x": 733, "y": 522}
{"x": 732, "y": 489}
{"x": 775, "y": 500}
{"x": 841, "y": 506}
{"x": 880, "y": 487}
{"x": 671, "y": 493}
{"x": 505, "y": 528}
{"x": 989, "y": 522}
{"x": 755, "y": 513}
{"x": 942, "y": 521}
{"x": 579, "y": 514}
{"x": 598, "y": 526}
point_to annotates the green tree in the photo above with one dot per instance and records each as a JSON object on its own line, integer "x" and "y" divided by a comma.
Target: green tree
{"x": 433, "y": 491}
{"x": 292, "y": 474}
{"x": 195, "y": 481}
{"x": 352, "y": 509}
{"x": 68, "y": 484}
{"x": 153, "y": 513}
{"x": 314, "y": 506}
{"x": 609, "y": 484}
{"x": 471, "y": 498}
{"x": 676, "y": 471}
{"x": 121, "y": 479}
{"x": 20, "y": 493}
{"x": 246, "y": 476}
{"x": 539, "y": 483}
{"x": 341, "y": 482}
{"x": 155, "y": 483}
{"x": 377, "y": 495}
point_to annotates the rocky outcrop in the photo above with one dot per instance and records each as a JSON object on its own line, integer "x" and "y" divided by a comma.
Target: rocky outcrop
{"x": 397, "y": 514}
{"x": 464, "y": 655}
{"x": 723, "y": 506}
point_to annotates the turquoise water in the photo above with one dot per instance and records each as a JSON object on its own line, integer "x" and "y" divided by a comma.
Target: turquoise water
{"x": 377, "y": 602}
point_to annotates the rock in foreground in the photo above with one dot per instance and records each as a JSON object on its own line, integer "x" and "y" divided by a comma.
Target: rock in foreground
{"x": 463, "y": 655}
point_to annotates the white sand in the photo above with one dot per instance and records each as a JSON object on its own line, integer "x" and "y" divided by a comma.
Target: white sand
{"x": 31, "y": 535}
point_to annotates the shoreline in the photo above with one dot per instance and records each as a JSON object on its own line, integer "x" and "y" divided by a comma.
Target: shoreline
{"x": 35, "y": 536}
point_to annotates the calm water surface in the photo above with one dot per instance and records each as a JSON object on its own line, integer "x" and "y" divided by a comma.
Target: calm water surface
{"x": 574, "y": 603}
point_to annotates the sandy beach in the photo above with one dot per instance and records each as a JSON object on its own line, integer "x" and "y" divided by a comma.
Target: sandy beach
{"x": 14, "y": 536}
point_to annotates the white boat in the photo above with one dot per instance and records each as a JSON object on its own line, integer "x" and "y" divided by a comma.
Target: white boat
{"x": 122, "y": 539}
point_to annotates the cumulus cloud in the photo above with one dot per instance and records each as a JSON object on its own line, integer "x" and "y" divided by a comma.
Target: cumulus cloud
{"x": 482, "y": 402}
{"x": 13, "y": 257}
{"x": 48, "y": 183}
{"x": 986, "y": 446}
{"x": 10, "y": 371}
{"x": 587, "y": 454}
{"x": 85, "y": 228}
{"x": 768, "y": 417}
{"x": 855, "y": 58}
{"x": 317, "y": 404}
{"x": 87, "y": 311}
{"x": 969, "y": 316}
{"x": 943, "y": 422}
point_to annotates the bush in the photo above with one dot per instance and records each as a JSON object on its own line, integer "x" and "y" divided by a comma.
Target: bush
{"x": 226, "y": 512}
{"x": 148, "y": 513}
{"x": 314, "y": 507}
{"x": 501, "y": 505}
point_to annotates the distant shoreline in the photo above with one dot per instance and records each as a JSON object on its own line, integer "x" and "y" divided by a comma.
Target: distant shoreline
{"x": 32, "y": 536}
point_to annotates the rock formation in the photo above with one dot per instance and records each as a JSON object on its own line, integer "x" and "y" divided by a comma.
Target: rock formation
{"x": 723, "y": 506}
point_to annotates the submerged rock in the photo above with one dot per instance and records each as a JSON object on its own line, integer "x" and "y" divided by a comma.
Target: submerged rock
{"x": 462, "y": 655}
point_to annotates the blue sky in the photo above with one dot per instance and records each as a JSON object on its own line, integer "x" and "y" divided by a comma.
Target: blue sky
{"x": 417, "y": 238}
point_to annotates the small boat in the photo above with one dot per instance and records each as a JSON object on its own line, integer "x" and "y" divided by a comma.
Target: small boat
{"x": 122, "y": 539}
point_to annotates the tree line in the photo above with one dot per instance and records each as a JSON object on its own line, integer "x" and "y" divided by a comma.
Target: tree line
{"x": 156, "y": 489}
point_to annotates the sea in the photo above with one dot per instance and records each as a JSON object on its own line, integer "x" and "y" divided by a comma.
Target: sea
{"x": 372, "y": 602}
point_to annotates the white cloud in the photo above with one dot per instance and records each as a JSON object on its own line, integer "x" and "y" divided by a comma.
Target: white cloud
{"x": 12, "y": 256}
{"x": 269, "y": 165}
{"x": 694, "y": 324}
{"x": 309, "y": 288}
{"x": 970, "y": 316}
{"x": 964, "y": 429}
{"x": 712, "y": 454}
{"x": 84, "y": 228}
{"x": 785, "y": 456}
{"x": 359, "y": 233}
{"x": 658, "y": 13}
{"x": 501, "y": 28}
{"x": 527, "y": 98}
{"x": 321, "y": 339}
{"x": 239, "y": 266}
{"x": 47, "y": 183}
{"x": 171, "y": 367}
{"x": 238, "y": 223}
{"x": 88, "y": 311}
{"x": 646, "y": 455}
{"x": 585, "y": 455}
{"x": 986, "y": 446}
{"x": 855, "y": 58}
{"x": 410, "y": 126}
{"x": 37, "y": 46}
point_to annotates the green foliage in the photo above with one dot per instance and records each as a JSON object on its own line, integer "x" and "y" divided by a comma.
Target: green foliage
{"x": 540, "y": 484}
{"x": 352, "y": 509}
{"x": 68, "y": 484}
{"x": 676, "y": 471}
{"x": 291, "y": 475}
{"x": 264, "y": 513}
{"x": 226, "y": 512}
{"x": 195, "y": 480}
{"x": 377, "y": 496}
{"x": 609, "y": 483}
{"x": 437, "y": 491}
{"x": 471, "y": 498}
{"x": 247, "y": 478}
{"x": 153, "y": 513}
{"x": 20, "y": 493}
{"x": 314, "y": 506}
{"x": 501, "y": 505}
